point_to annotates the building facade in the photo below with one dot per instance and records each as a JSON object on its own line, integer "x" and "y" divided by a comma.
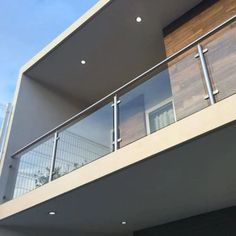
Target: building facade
{"x": 125, "y": 125}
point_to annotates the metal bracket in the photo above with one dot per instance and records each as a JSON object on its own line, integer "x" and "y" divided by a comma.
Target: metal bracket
{"x": 118, "y": 141}
{"x": 203, "y": 51}
{"x": 118, "y": 102}
{"x": 215, "y": 92}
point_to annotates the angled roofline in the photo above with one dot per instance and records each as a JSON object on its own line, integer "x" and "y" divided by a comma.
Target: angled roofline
{"x": 85, "y": 18}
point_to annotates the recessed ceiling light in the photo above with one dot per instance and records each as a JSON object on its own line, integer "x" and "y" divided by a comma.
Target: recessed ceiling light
{"x": 83, "y": 62}
{"x": 51, "y": 213}
{"x": 123, "y": 222}
{"x": 138, "y": 19}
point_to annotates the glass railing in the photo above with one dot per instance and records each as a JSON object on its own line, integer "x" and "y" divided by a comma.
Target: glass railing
{"x": 221, "y": 60}
{"x": 84, "y": 141}
{"x": 192, "y": 79}
{"x": 34, "y": 167}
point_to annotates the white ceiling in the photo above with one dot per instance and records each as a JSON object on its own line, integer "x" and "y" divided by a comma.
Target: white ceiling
{"x": 116, "y": 48}
{"x": 193, "y": 178}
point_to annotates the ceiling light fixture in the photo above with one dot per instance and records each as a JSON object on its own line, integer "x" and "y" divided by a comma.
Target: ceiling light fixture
{"x": 83, "y": 62}
{"x": 52, "y": 213}
{"x": 138, "y": 19}
{"x": 123, "y": 222}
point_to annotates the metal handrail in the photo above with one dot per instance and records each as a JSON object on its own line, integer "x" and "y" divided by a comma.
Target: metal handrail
{"x": 173, "y": 56}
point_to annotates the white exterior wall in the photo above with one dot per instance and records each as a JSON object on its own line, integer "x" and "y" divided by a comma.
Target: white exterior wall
{"x": 4, "y": 127}
{"x": 36, "y": 110}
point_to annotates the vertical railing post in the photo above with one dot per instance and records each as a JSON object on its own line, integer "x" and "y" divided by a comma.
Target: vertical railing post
{"x": 206, "y": 74}
{"x": 116, "y": 138}
{"x": 54, "y": 152}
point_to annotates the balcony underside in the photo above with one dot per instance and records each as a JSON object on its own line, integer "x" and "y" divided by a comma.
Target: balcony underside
{"x": 191, "y": 178}
{"x": 116, "y": 48}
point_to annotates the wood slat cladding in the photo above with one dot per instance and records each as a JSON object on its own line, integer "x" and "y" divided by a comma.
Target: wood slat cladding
{"x": 221, "y": 60}
{"x": 197, "y": 22}
{"x": 132, "y": 121}
{"x": 185, "y": 71}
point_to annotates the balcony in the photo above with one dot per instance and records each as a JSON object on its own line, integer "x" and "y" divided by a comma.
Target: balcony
{"x": 192, "y": 79}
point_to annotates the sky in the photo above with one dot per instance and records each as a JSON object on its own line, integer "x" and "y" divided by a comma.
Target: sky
{"x": 26, "y": 27}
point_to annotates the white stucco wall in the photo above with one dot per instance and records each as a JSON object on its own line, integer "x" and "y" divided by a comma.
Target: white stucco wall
{"x": 36, "y": 110}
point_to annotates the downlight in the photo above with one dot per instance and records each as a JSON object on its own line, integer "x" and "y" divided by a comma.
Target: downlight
{"x": 51, "y": 213}
{"x": 138, "y": 19}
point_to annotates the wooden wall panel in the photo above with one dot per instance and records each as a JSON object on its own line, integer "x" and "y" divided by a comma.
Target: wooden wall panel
{"x": 221, "y": 60}
{"x": 132, "y": 120}
{"x": 197, "y": 22}
{"x": 185, "y": 71}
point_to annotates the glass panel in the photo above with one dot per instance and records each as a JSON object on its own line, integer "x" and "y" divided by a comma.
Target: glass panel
{"x": 34, "y": 167}
{"x": 84, "y": 142}
{"x": 161, "y": 117}
{"x": 221, "y": 60}
{"x": 172, "y": 94}
{"x": 143, "y": 105}
{"x": 188, "y": 86}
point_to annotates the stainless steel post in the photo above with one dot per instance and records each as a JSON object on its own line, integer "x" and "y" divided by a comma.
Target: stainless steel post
{"x": 54, "y": 152}
{"x": 116, "y": 139}
{"x": 206, "y": 74}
